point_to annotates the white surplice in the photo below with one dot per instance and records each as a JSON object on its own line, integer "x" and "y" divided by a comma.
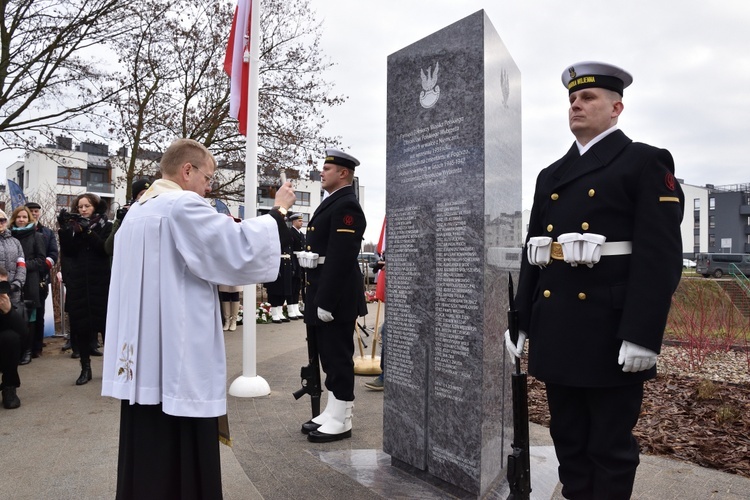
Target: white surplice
{"x": 164, "y": 338}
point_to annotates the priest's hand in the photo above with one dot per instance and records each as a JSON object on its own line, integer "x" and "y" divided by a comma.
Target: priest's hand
{"x": 324, "y": 315}
{"x": 635, "y": 358}
{"x": 285, "y": 196}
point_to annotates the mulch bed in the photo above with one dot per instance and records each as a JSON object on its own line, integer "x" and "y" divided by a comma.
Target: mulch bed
{"x": 686, "y": 418}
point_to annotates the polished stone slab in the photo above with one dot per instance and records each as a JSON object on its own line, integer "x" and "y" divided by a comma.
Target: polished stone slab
{"x": 453, "y": 204}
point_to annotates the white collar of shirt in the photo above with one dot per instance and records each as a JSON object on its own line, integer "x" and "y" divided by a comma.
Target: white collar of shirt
{"x": 582, "y": 149}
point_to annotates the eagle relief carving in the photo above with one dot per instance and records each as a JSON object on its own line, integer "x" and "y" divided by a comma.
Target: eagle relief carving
{"x": 430, "y": 89}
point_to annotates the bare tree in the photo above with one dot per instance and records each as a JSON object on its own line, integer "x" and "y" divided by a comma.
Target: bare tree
{"x": 50, "y": 74}
{"x": 175, "y": 86}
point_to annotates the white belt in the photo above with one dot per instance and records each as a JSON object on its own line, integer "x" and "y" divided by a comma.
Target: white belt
{"x": 617, "y": 248}
{"x": 574, "y": 248}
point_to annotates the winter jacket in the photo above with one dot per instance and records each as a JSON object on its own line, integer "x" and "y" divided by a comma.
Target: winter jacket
{"x": 10, "y": 253}
{"x": 34, "y": 252}
{"x": 86, "y": 273}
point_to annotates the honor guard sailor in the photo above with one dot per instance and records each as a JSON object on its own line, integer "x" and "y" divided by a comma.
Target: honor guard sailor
{"x": 601, "y": 262}
{"x": 334, "y": 296}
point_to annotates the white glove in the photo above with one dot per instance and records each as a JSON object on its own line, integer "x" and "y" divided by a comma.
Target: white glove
{"x": 308, "y": 260}
{"x": 635, "y": 358}
{"x": 324, "y": 315}
{"x": 515, "y": 350}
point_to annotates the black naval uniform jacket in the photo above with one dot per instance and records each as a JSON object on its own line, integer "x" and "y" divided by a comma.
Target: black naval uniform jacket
{"x": 282, "y": 285}
{"x": 335, "y": 232}
{"x": 298, "y": 245}
{"x": 577, "y": 317}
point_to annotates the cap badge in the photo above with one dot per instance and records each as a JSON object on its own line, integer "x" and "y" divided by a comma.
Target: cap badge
{"x": 572, "y": 72}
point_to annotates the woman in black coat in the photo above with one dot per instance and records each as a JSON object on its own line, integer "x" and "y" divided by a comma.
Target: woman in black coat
{"x": 23, "y": 228}
{"x": 86, "y": 273}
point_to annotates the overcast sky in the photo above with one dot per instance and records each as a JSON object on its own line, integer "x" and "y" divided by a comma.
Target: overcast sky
{"x": 690, "y": 61}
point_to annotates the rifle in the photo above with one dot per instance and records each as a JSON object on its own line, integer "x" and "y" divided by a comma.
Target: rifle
{"x": 519, "y": 467}
{"x": 310, "y": 374}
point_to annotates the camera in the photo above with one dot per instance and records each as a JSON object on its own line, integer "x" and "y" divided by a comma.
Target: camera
{"x": 5, "y": 287}
{"x": 66, "y": 217}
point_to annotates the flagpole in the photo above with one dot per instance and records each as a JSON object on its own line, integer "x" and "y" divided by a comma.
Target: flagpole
{"x": 250, "y": 384}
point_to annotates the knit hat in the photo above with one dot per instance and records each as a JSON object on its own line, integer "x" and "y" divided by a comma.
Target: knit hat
{"x": 140, "y": 185}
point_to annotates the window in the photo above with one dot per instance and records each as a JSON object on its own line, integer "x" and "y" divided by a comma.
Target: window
{"x": 711, "y": 241}
{"x": 696, "y": 220}
{"x": 98, "y": 175}
{"x": 711, "y": 221}
{"x": 712, "y": 203}
{"x": 303, "y": 198}
{"x": 65, "y": 201}
{"x": 696, "y": 240}
{"x": 70, "y": 176}
{"x": 697, "y": 204}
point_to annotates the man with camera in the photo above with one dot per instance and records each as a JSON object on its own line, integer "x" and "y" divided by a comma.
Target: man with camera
{"x": 12, "y": 324}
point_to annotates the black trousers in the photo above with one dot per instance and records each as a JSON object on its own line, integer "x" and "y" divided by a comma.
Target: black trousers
{"x": 296, "y": 287}
{"x": 39, "y": 323}
{"x": 10, "y": 352}
{"x": 336, "y": 351}
{"x": 592, "y": 432}
{"x": 166, "y": 457}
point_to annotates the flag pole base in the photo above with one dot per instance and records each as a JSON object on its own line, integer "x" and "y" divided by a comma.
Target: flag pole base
{"x": 249, "y": 387}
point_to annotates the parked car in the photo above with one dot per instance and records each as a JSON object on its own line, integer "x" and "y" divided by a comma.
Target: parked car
{"x": 688, "y": 264}
{"x": 366, "y": 259}
{"x": 719, "y": 264}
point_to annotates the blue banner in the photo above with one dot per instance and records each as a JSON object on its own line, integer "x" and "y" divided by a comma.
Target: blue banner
{"x": 222, "y": 207}
{"x": 17, "y": 199}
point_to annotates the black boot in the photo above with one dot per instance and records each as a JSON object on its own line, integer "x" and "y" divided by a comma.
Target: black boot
{"x": 26, "y": 358}
{"x": 85, "y": 371}
{"x": 10, "y": 399}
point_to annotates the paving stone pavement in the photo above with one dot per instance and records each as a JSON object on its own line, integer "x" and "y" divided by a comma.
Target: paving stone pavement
{"x": 62, "y": 442}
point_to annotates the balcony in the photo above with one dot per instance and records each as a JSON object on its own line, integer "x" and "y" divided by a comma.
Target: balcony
{"x": 100, "y": 187}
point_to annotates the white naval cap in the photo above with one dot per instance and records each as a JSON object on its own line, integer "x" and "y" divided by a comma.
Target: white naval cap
{"x": 588, "y": 74}
{"x": 340, "y": 158}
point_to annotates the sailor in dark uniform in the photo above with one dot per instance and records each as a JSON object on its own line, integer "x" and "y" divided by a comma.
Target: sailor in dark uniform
{"x": 601, "y": 262}
{"x": 335, "y": 292}
{"x": 298, "y": 274}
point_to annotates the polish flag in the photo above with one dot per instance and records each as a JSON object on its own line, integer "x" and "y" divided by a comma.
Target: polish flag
{"x": 380, "y": 287}
{"x": 237, "y": 63}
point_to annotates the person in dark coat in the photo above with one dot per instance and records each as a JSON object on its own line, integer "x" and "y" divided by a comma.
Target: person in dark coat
{"x": 335, "y": 295}
{"x": 23, "y": 228}
{"x": 51, "y": 256}
{"x": 12, "y": 328}
{"x": 281, "y": 288}
{"x": 602, "y": 259}
{"x": 86, "y": 273}
{"x": 298, "y": 273}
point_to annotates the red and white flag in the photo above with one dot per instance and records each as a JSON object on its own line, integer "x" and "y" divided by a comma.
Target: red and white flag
{"x": 237, "y": 63}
